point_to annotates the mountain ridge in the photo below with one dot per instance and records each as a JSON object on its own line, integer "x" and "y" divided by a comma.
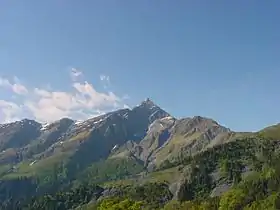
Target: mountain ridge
{"x": 146, "y": 133}
{"x": 138, "y": 145}
{"x": 157, "y": 134}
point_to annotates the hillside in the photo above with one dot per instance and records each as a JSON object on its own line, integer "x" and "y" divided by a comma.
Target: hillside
{"x": 272, "y": 132}
{"x": 119, "y": 158}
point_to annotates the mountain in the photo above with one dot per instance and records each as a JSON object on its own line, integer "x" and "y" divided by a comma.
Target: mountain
{"x": 41, "y": 145}
{"x": 146, "y": 132}
{"x": 134, "y": 147}
{"x": 18, "y": 134}
{"x": 168, "y": 139}
{"x": 192, "y": 135}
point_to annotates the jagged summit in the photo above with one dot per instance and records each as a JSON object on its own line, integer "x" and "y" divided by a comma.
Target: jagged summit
{"x": 151, "y": 109}
{"x": 147, "y": 102}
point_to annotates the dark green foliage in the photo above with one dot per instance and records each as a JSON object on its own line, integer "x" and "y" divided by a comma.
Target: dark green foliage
{"x": 231, "y": 170}
{"x": 153, "y": 194}
{"x": 260, "y": 189}
{"x": 150, "y": 195}
{"x": 117, "y": 204}
{"x": 198, "y": 183}
{"x": 14, "y": 192}
{"x": 66, "y": 200}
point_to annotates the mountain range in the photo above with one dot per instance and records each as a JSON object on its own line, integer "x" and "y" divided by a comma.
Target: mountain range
{"x": 146, "y": 133}
{"x": 141, "y": 142}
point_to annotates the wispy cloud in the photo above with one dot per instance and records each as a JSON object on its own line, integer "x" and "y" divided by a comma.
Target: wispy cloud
{"x": 9, "y": 111}
{"x": 46, "y": 105}
{"x": 16, "y": 87}
{"x": 105, "y": 79}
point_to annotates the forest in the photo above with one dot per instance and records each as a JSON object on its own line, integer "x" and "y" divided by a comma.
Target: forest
{"x": 249, "y": 165}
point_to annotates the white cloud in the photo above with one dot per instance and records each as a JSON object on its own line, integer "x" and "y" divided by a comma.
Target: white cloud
{"x": 16, "y": 87}
{"x": 91, "y": 98}
{"x": 4, "y": 82}
{"x": 46, "y": 105}
{"x": 9, "y": 111}
{"x": 42, "y": 92}
{"x": 19, "y": 89}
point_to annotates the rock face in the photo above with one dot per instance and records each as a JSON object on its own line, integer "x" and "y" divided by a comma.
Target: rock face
{"x": 220, "y": 189}
{"x": 140, "y": 117}
{"x": 111, "y": 192}
{"x": 157, "y": 135}
{"x": 168, "y": 138}
{"x": 189, "y": 136}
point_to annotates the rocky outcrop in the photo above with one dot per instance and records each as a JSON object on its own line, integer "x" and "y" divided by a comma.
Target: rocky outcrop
{"x": 189, "y": 136}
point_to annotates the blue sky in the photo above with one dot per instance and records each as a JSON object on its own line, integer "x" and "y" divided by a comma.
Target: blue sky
{"x": 218, "y": 59}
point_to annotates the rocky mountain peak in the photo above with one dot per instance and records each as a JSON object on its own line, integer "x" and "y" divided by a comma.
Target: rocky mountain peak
{"x": 147, "y": 103}
{"x": 149, "y": 110}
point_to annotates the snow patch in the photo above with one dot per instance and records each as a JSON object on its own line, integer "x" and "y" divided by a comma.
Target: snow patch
{"x": 32, "y": 162}
{"x": 98, "y": 121}
{"x": 152, "y": 107}
{"x": 44, "y": 126}
{"x": 151, "y": 125}
{"x": 106, "y": 131}
{"x": 78, "y": 122}
{"x": 167, "y": 118}
{"x": 115, "y": 147}
{"x": 153, "y": 114}
{"x": 125, "y": 115}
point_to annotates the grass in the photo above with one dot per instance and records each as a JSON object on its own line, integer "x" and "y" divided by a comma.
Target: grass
{"x": 272, "y": 132}
{"x": 50, "y": 161}
{"x": 40, "y": 167}
{"x": 117, "y": 183}
{"x": 80, "y": 136}
{"x": 168, "y": 175}
{"x": 173, "y": 148}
